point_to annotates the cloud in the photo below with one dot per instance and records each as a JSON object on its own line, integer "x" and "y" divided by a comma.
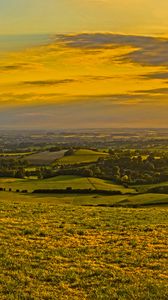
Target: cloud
{"x": 15, "y": 67}
{"x": 149, "y": 51}
{"x": 156, "y": 75}
{"x": 98, "y": 77}
{"x": 163, "y": 91}
{"x": 15, "y": 99}
{"x": 54, "y": 82}
{"x": 86, "y": 79}
{"x": 132, "y": 98}
{"x": 49, "y": 82}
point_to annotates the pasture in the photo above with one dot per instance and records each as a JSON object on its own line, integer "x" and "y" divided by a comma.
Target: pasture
{"x": 82, "y": 156}
{"x": 56, "y": 248}
{"x": 15, "y": 154}
{"x": 143, "y": 188}
{"x": 62, "y": 182}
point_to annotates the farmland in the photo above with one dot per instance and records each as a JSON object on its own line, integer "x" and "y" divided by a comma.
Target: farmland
{"x": 144, "y": 188}
{"x": 94, "y": 229}
{"x": 56, "y": 248}
{"x": 82, "y": 156}
{"x": 44, "y": 157}
{"x": 62, "y": 182}
{"x": 15, "y": 154}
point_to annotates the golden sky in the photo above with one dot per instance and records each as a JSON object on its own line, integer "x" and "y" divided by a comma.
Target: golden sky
{"x": 92, "y": 63}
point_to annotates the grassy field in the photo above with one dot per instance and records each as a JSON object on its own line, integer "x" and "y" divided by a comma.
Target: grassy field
{"x": 54, "y": 248}
{"x": 82, "y": 156}
{"x": 145, "y": 199}
{"x": 15, "y": 154}
{"x": 145, "y": 187}
{"x": 62, "y": 182}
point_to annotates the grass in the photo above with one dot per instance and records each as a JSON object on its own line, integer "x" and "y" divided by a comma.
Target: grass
{"x": 82, "y": 156}
{"x": 6, "y": 154}
{"x": 145, "y": 187}
{"x": 91, "y": 200}
{"x": 61, "y": 182}
{"x": 51, "y": 249}
{"x": 145, "y": 199}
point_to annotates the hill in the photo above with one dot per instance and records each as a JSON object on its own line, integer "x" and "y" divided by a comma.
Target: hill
{"x": 62, "y": 182}
{"x": 82, "y": 156}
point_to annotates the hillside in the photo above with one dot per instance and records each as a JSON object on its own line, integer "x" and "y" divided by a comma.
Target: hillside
{"x": 62, "y": 182}
{"x": 82, "y": 156}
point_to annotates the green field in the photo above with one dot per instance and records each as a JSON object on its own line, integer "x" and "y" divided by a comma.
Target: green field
{"x": 15, "y": 154}
{"x": 82, "y": 156}
{"x": 145, "y": 199}
{"x": 143, "y": 188}
{"x": 62, "y": 182}
{"x": 56, "y": 248}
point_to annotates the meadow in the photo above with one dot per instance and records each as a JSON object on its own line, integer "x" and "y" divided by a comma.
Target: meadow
{"x": 15, "y": 154}
{"x": 82, "y": 156}
{"x": 56, "y": 247}
{"x": 62, "y": 182}
{"x": 143, "y": 188}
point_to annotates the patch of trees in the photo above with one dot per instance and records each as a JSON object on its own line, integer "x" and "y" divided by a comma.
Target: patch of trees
{"x": 12, "y": 167}
{"x": 55, "y": 148}
{"x": 125, "y": 167}
{"x": 84, "y": 172}
{"x": 69, "y": 152}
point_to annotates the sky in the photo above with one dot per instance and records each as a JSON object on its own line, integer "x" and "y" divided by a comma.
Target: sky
{"x": 83, "y": 64}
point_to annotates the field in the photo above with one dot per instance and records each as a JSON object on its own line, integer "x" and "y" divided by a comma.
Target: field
{"x": 15, "y": 154}
{"x": 44, "y": 158}
{"x": 72, "y": 246}
{"x": 144, "y": 188}
{"x": 62, "y": 182}
{"x": 56, "y": 248}
{"x": 82, "y": 156}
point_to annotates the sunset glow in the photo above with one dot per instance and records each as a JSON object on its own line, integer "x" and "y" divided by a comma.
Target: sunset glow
{"x": 92, "y": 64}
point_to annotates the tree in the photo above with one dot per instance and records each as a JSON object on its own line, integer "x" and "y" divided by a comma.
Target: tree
{"x": 87, "y": 172}
{"x": 111, "y": 152}
{"x": 20, "y": 173}
{"x": 69, "y": 152}
{"x": 116, "y": 170}
{"x": 125, "y": 178}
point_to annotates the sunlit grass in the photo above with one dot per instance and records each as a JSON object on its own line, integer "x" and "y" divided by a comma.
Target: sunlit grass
{"x": 51, "y": 250}
{"x": 82, "y": 156}
{"x": 62, "y": 182}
